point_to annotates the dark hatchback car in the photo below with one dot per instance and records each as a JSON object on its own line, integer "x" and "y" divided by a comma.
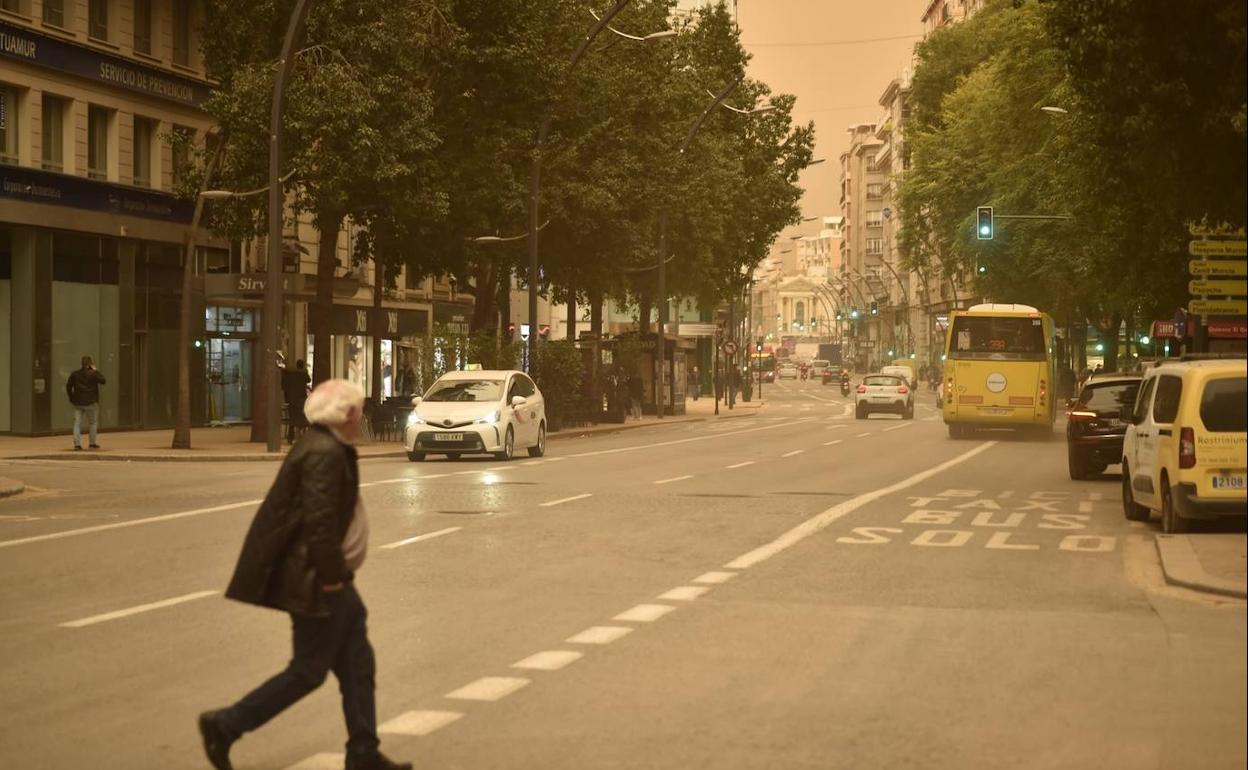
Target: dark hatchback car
{"x": 1095, "y": 426}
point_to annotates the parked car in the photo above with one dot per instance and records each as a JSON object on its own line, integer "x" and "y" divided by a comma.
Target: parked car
{"x": 1185, "y": 453}
{"x": 1096, "y": 422}
{"x": 480, "y": 412}
{"x": 786, "y": 371}
{"x": 884, "y": 393}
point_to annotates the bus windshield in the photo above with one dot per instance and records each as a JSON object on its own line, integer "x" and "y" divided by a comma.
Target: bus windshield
{"x": 997, "y": 338}
{"x": 764, "y": 362}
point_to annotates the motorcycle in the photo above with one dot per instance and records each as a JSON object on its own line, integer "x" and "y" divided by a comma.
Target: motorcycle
{"x": 845, "y": 387}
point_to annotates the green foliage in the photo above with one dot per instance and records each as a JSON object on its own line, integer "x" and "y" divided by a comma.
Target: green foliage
{"x": 559, "y": 374}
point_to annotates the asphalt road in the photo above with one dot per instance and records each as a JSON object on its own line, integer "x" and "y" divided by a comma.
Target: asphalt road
{"x": 796, "y": 589}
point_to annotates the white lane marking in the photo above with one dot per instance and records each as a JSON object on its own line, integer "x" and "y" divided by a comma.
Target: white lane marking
{"x": 833, "y": 443}
{"x": 794, "y": 452}
{"x": 418, "y": 538}
{"x": 835, "y": 427}
{"x": 557, "y": 459}
{"x": 674, "y": 478}
{"x": 715, "y": 577}
{"x": 498, "y": 468}
{"x": 899, "y": 427}
{"x": 549, "y": 660}
{"x": 600, "y": 635}
{"x": 674, "y": 442}
{"x": 684, "y": 593}
{"x": 644, "y": 613}
{"x": 320, "y": 762}
{"x": 563, "y": 500}
{"x": 862, "y": 435}
{"x": 419, "y": 722}
{"x": 131, "y": 523}
{"x": 136, "y": 610}
{"x": 739, "y": 465}
{"x": 821, "y": 520}
{"x": 401, "y": 479}
{"x": 489, "y": 688}
{"x": 527, "y": 463}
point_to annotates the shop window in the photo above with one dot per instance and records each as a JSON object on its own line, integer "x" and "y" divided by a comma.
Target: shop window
{"x": 10, "y": 121}
{"x": 82, "y": 258}
{"x": 98, "y": 129}
{"x": 53, "y": 130}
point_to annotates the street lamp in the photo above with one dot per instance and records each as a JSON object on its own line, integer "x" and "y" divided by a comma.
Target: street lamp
{"x": 223, "y": 195}
{"x": 535, "y": 175}
{"x": 1054, "y": 110}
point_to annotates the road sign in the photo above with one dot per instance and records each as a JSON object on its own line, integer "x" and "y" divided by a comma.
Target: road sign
{"x": 729, "y": 347}
{"x": 1228, "y": 287}
{"x": 1218, "y": 306}
{"x": 1195, "y": 228}
{"x": 1218, "y": 248}
{"x": 1227, "y": 268}
{"x": 697, "y": 330}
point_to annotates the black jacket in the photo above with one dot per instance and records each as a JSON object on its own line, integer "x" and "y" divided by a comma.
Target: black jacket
{"x": 295, "y": 385}
{"x": 294, "y": 545}
{"x": 83, "y": 387}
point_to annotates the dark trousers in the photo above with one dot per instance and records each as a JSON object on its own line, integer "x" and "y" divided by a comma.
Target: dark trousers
{"x": 295, "y": 421}
{"x": 338, "y": 643}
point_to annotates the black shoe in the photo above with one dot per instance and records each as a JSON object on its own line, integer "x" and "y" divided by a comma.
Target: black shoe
{"x": 216, "y": 743}
{"x": 95, "y": 446}
{"x": 375, "y": 761}
{"x": 77, "y": 449}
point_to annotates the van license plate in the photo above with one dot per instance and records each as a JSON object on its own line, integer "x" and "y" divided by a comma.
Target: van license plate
{"x": 994, "y": 410}
{"x": 448, "y": 436}
{"x": 1228, "y": 482}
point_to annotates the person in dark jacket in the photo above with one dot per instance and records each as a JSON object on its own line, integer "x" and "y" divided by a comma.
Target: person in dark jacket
{"x": 300, "y": 555}
{"x": 295, "y": 389}
{"x": 83, "y": 389}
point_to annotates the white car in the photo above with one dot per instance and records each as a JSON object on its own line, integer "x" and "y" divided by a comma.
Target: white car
{"x": 481, "y": 412}
{"x": 786, "y": 371}
{"x": 884, "y": 393}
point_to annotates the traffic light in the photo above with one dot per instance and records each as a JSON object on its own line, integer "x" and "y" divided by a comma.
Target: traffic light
{"x": 983, "y": 223}
{"x": 853, "y": 312}
{"x": 840, "y": 316}
{"x": 758, "y": 345}
{"x": 982, "y": 270}
{"x": 875, "y": 308}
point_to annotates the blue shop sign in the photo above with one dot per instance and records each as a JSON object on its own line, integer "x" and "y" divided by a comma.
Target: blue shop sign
{"x": 31, "y": 47}
{"x": 35, "y": 186}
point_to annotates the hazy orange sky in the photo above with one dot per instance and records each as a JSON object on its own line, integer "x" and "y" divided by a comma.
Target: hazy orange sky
{"x": 800, "y": 47}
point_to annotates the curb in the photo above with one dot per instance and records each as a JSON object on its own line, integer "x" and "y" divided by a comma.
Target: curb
{"x": 10, "y": 487}
{"x": 1182, "y": 568}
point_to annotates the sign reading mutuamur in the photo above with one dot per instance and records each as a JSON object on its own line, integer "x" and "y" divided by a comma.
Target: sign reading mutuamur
{"x": 34, "y": 48}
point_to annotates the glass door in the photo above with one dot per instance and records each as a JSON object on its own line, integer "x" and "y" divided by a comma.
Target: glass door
{"x": 229, "y": 380}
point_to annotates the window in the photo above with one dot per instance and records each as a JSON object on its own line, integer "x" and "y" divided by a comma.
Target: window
{"x": 144, "y": 130}
{"x": 10, "y": 120}
{"x": 182, "y": 32}
{"x": 182, "y": 138}
{"x": 997, "y": 338}
{"x": 98, "y": 119}
{"x": 1109, "y": 399}
{"x": 465, "y": 390}
{"x": 1166, "y": 403}
{"x": 1141, "y": 404}
{"x": 54, "y": 12}
{"x": 875, "y": 219}
{"x": 875, "y": 190}
{"x": 53, "y": 133}
{"x": 875, "y": 246}
{"x": 870, "y": 163}
{"x": 142, "y": 26}
{"x": 97, "y": 19}
{"x": 13, "y": 6}
{"x": 1224, "y": 405}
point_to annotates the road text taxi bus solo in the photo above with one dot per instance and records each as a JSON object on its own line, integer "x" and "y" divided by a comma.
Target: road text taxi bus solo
{"x": 999, "y": 369}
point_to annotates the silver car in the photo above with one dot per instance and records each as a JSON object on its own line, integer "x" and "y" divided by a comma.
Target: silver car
{"x": 884, "y": 393}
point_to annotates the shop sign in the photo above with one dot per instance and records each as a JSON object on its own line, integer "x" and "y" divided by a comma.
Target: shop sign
{"x": 1166, "y": 330}
{"x": 1228, "y": 330}
{"x": 48, "y": 52}
{"x": 390, "y": 323}
{"x": 47, "y": 187}
{"x": 456, "y": 318}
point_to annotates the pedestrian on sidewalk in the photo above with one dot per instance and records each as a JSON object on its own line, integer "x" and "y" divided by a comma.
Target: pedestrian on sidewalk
{"x": 83, "y": 389}
{"x": 634, "y": 396}
{"x": 305, "y": 544}
{"x": 695, "y": 383}
{"x": 295, "y": 389}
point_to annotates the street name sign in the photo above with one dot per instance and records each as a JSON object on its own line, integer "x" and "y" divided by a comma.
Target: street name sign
{"x": 1219, "y": 287}
{"x": 1228, "y": 268}
{"x": 1218, "y": 306}
{"x": 697, "y": 330}
{"x": 1217, "y": 248}
{"x": 1196, "y": 228}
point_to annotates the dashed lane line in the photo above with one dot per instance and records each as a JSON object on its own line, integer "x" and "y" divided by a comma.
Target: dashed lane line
{"x": 136, "y": 610}
{"x": 489, "y": 688}
{"x": 684, "y": 593}
{"x": 418, "y": 723}
{"x": 862, "y": 435}
{"x": 899, "y": 427}
{"x": 793, "y": 453}
{"x": 419, "y": 538}
{"x": 600, "y": 635}
{"x": 673, "y": 479}
{"x": 645, "y": 613}
{"x": 549, "y": 660}
{"x": 563, "y": 500}
{"x": 131, "y": 523}
{"x": 821, "y": 520}
{"x": 715, "y": 577}
{"x": 834, "y": 442}
{"x": 739, "y": 465}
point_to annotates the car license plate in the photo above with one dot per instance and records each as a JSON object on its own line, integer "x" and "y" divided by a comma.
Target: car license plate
{"x": 448, "y": 437}
{"x": 994, "y": 410}
{"x": 1228, "y": 482}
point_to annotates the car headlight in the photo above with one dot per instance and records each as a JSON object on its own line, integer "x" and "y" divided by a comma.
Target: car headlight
{"x": 415, "y": 419}
{"x": 489, "y": 419}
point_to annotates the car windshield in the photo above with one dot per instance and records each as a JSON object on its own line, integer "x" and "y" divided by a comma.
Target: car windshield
{"x": 819, "y": 363}
{"x": 465, "y": 390}
{"x": 885, "y": 380}
{"x": 1109, "y": 397}
{"x": 1224, "y": 405}
{"x": 997, "y": 338}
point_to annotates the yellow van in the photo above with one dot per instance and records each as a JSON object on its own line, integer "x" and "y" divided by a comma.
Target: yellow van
{"x": 1186, "y": 449}
{"x": 1000, "y": 369}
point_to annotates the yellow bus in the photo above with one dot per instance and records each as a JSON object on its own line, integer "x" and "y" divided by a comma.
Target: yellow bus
{"x": 1000, "y": 369}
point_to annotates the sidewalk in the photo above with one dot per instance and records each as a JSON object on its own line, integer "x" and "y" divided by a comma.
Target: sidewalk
{"x": 231, "y": 444}
{"x": 10, "y": 487}
{"x": 1213, "y": 563}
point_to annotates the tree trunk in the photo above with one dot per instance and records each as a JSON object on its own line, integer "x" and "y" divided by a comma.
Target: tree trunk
{"x": 1109, "y": 337}
{"x": 326, "y": 264}
{"x": 378, "y": 325}
{"x": 644, "y": 307}
{"x": 182, "y": 420}
{"x": 259, "y": 404}
{"x": 504, "y": 306}
{"x": 485, "y": 276}
{"x": 595, "y": 371}
{"x": 571, "y": 313}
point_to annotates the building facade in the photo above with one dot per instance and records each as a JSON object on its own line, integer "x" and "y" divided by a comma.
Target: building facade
{"x": 860, "y": 282}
